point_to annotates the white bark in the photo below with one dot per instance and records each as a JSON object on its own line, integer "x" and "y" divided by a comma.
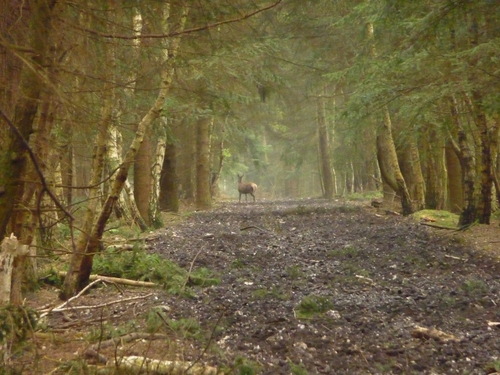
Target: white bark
{"x": 156, "y": 168}
{"x": 10, "y": 249}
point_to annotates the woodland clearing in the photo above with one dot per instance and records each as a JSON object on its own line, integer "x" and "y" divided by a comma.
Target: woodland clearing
{"x": 304, "y": 287}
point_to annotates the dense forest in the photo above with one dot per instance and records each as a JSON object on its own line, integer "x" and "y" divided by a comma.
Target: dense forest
{"x": 122, "y": 110}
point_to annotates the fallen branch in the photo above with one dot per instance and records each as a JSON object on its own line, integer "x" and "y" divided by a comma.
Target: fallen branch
{"x": 101, "y": 304}
{"x": 94, "y": 350}
{"x": 118, "y": 280}
{"x": 61, "y": 306}
{"x": 146, "y": 365}
{"x": 361, "y": 277}
{"x": 454, "y": 257}
{"x": 255, "y": 227}
{"x": 440, "y": 226}
{"x": 432, "y": 333}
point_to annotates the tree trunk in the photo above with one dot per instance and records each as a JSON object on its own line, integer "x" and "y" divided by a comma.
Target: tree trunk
{"x": 435, "y": 174}
{"x": 483, "y": 208}
{"x": 75, "y": 278}
{"x": 324, "y": 151}
{"x": 386, "y": 149}
{"x": 218, "y": 162}
{"x": 455, "y": 202}
{"x": 412, "y": 172}
{"x": 462, "y": 150}
{"x": 66, "y": 162}
{"x": 126, "y": 205}
{"x": 13, "y": 161}
{"x": 143, "y": 178}
{"x": 203, "y": 196}
{"x": 82, "y": 259}
{"x": 161, "y": 146}
{"x": 388, "y": 162}
{"x": 169, "y": 185}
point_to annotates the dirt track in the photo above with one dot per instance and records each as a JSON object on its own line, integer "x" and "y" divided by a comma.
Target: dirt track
{"x": 372, "y": 278}
{"x": 375, "y": 277}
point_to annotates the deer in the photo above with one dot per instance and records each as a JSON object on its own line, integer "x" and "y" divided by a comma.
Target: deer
{"x": 246, "y": 188}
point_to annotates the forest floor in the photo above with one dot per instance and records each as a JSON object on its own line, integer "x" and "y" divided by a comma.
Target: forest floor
{"x": 306, "y": 287}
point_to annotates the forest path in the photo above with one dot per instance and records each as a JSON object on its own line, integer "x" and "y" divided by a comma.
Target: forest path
{"x": 336, "y": 288}
{"x": 306, "y": 287}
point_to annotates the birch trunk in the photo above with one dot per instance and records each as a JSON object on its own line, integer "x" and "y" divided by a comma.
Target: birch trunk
{"x": 82, "y": 258}
{"x": 161, "y": 146}
{"x": 126, "y": 201}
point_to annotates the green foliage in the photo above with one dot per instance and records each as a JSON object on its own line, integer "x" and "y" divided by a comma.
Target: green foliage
{"x": 186, "y": 327}
{"x": 441, "y": 217}
{"x": 297, "y": 369}
{"x": 244, "y": 366}
{"x": 139, "y": 265}
{"x": 108, "y": 331}
{"x": 474, "y": 287}
{"x": 312, "y": 305}
{"x": 157, "y": 320}
{"x": 75, "y": 367}
{"x": 203, "y": 277}
{"x": 493, "y": 367}
{"x": 50, "y": 276}
{"x": 367, "y": 195}
{"x": 348, "y": 251}
{"x": 264, "y": 293}
{"x": 294, "y": 272}
{"x": 15, "y": 324}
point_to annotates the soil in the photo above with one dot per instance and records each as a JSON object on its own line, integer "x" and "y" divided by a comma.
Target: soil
{"x": 306, "y": 287}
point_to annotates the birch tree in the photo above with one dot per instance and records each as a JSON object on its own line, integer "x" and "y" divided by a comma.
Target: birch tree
{"x": 82, "y": 258}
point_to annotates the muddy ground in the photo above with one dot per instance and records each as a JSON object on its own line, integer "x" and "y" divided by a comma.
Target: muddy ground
{"x": 306, "y": 287}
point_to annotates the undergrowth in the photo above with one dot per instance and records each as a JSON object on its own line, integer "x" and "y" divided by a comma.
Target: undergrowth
{"x": 137, "y": 264}
{"x": 311, "y": 306}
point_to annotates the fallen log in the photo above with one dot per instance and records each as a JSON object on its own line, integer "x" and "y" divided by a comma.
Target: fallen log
{"x": 140, "y": 365}
{"x": 432, "y": 333}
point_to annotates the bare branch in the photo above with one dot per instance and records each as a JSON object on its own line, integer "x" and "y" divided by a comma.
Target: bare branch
{"x": 177, "y": 33}
{"x": 36, "y": 165}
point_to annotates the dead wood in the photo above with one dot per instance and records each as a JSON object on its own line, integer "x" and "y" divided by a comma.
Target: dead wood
{"x": 101, "y": 304}
{"x": 94, "y": 350}
{"x": 155, "y": 366}
{"x": 432, "y": 333}
{"x": 439, "y": 226}
{"x": 119, "y": 280}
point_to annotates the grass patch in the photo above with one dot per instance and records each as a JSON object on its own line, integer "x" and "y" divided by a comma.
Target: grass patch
{"x": 264, "y": 293}
{"x": 348, "y": 251}
{"x": 311, "y": 306}
{"x": 439, "y": 217}
{"x": 474, "y": 287}
{"x": 294, "y": 272}
{"x": 107, "y": 331}
{"x": 203, "y": 277}
{"x": 244, "y": 366}
{"x": 297, "y": 369}
{"x": 157, "y": 321}
{"x": 364, "y": 196}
